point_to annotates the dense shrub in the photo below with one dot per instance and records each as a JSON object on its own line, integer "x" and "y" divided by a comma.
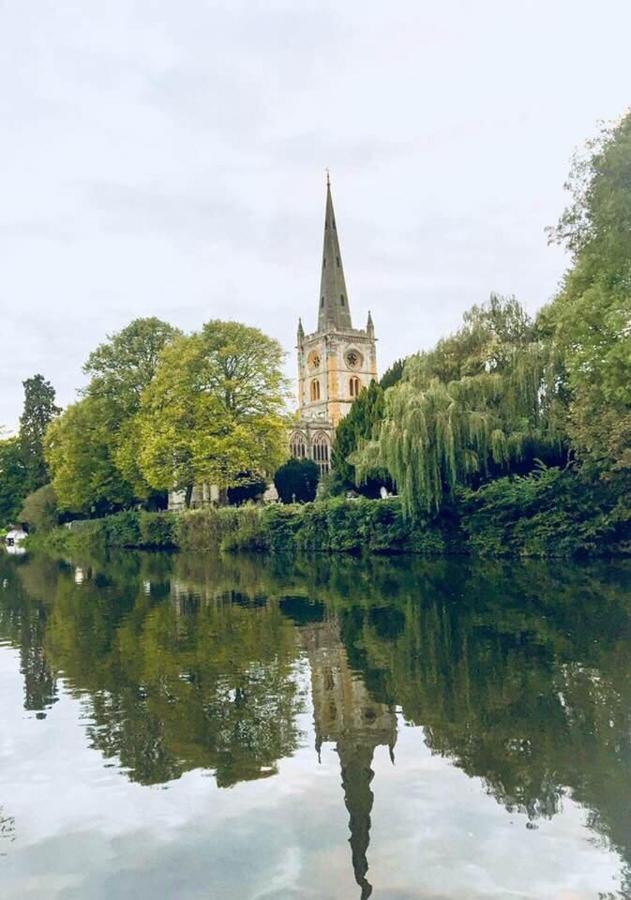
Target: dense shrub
{"x": 297, "y": 481}
{"x": 201, "y": 529}
{"x": 157, "y": 530}
{"x": 552, "y": 512}
{"x": 39, "y": 509}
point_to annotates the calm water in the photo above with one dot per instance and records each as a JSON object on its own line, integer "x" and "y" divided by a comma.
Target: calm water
{"x": 196, "y": 727}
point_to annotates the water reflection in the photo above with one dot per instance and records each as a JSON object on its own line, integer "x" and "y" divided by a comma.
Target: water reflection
{"x": 519, "y": 674}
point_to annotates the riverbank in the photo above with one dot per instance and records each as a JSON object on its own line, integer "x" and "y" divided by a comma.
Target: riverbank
{"x": 552, "y": 514}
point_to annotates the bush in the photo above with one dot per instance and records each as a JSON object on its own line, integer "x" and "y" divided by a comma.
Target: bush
{"x": 122, "y": 529}
{"x": 203, "y": 529}
{"x": 248, "y": 490}
{"x": 39, "y": 510}
{"x": 297, "y": 481}
{"x": 157, "y": 530}
{"x": 551, "y": 512}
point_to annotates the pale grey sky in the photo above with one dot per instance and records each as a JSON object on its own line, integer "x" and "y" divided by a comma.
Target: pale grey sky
{"x": 168, "y": 159}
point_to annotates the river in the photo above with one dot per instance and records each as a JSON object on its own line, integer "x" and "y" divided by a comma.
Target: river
{"x": 197, "y": 726}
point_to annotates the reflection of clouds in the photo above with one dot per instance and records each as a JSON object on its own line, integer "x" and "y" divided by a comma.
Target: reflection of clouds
{"x": 7, "y": 830}
{"x": 434, "y": 832}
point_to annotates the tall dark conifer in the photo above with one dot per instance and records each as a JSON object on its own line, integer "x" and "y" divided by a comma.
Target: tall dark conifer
{"x": 38, "y": 412}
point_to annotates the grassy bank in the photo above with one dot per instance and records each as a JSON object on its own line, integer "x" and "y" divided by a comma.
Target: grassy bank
{"x": 552, "y": 514}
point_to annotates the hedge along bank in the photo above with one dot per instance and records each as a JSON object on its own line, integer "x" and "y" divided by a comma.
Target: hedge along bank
{"x": 547, "y": 514}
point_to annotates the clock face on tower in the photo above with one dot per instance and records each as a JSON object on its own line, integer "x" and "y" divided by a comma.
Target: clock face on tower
{"x": 314, "y": 361}
{"x": 353, "y": 359}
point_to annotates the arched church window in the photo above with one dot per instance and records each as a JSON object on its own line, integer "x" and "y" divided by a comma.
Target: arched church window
{"x": 321, "y": 452}
{"x": 341, "y": 299}
{"x": 321, "y": 302}
{"x": 354, "y": 386}
{"x": 298, "y": 446}
{"x": 315, "y": 390}
{"x": 338, "y": 261}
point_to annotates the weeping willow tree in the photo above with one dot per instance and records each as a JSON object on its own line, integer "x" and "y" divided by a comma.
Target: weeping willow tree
{"x": 436, "y": 434}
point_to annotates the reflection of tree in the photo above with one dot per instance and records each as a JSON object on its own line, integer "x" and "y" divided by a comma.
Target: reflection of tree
{"x": 7, "y": 829}
{"x": 518, "y": 673}
{"x": 23, "y": 620}
{"x": 175, "y": 682}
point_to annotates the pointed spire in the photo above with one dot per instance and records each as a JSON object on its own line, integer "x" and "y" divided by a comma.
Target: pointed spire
{"x": 301, "y": 332}
{"x": 334, "y": 309}
{"x": 370, "y": 328}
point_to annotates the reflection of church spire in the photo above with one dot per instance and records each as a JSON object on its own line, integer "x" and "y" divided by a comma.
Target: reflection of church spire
{"x": 345, "y": 713}
{"x": 357, "y": 774}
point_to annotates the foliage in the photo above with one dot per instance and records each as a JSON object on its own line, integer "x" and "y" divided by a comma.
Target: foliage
{"x": 590, "y": 320}
{"x": 121, "y": 368}
{"x": 551, "y": 512}
{"x": 12, "y": 480}
{"x": 39, "y": 509}
{"x": 38, "y": 412}
{"x": 214, "y": 409}
{"x": 359, "y": 426}
{"x": 499, "y": 413}
{"x": 335, "y": 526}
{"x": 297, "y": 480}
{"x": 157, "y": 530}
{"x": 393, "y": 375}
{"x": 202, "y": 529}
{"x": 92, "y": 449}
{"x": 79, "y": 450}
{"x": 247, "y": 490}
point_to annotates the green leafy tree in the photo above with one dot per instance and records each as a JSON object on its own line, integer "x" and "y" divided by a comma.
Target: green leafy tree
{"x": 484, "y": 402}
{"x": 93, "y": 448}
{"x": 297, "y": 481}
{"x": 121, "y": 368}
{"x": 247, "y": 489}
{"x": 590, "y": 320}
{"x": 214, "y": 409}
{"x": 358, "y": 427}
{"x": 38, "y": 412}
{"x": 393, "y": 375}
{"x": 12, "y": 480}
{"x": 79, "y": 453}
{"x": 39, "y": 510}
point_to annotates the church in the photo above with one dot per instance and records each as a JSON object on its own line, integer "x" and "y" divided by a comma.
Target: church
{"x": 334, "y": 362}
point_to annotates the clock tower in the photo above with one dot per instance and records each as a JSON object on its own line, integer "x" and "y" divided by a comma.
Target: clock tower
{"x": 334, "y": 362}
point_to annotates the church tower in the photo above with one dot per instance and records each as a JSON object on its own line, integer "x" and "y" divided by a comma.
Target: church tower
{"x": 334, "y": 362}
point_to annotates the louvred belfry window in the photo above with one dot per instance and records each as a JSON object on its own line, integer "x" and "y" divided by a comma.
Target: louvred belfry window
{"x": 315, "y": 390}
{"x": 354, "y": 386}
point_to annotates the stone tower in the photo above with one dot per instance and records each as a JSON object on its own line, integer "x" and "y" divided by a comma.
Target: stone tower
{"x": 334, "y": 362}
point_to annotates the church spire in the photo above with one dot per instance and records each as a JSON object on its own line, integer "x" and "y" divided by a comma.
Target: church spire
{"x": 334, "y": 310}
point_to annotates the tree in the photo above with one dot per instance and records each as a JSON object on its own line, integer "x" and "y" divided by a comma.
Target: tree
{"x": 121, "y": 368}
{"x": 214, "y": 409}
{"x": 247, "y": 488}
{"x": 79, "y": 453}
{"x": 93, "y": 448}
{"x": 297, "y": 481}
{"x": 393, "y": 375}
{"x": 498, "y": 413}
{"x": 358, "y": 427}
{"x": 38, "y": 412}
{"x": 39, "y": 509}
{"x": 12, "y": 480}
{"x": 590, "y": 318}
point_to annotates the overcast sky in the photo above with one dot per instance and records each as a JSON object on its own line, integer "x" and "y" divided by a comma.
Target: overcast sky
{"x": 161, "y": 158}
